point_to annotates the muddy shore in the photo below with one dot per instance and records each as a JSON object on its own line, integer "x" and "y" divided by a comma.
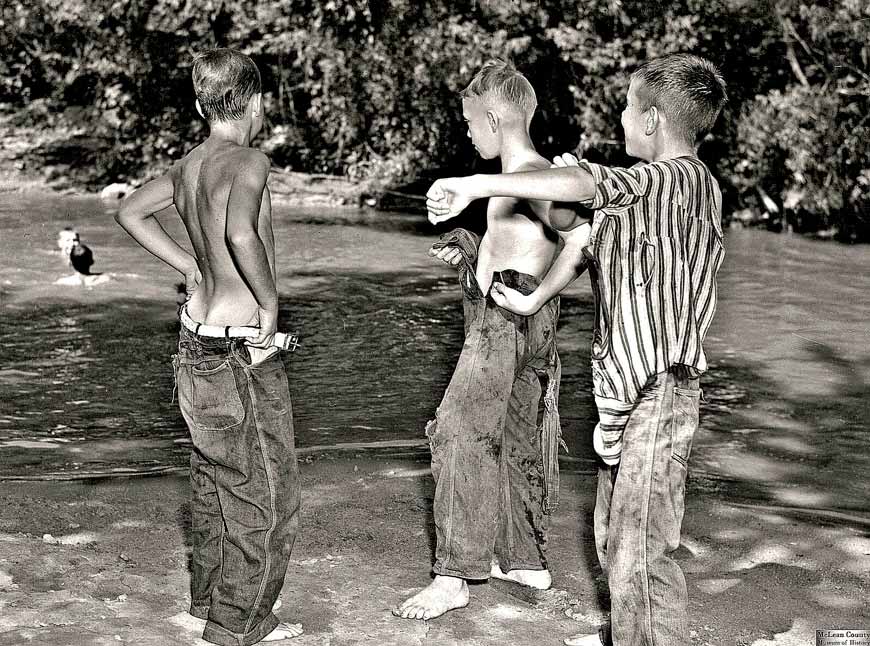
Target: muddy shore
{"x": 105, "y": 562}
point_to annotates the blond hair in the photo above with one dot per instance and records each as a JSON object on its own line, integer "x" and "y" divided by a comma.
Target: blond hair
{"x": 500, "y": 80}
{"x": 224, "y": 81}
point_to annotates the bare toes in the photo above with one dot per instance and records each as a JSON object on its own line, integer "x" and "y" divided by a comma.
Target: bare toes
{"x": 284, "y": 631}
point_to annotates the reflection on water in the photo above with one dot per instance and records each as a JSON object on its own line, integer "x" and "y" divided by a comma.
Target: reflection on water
{"x": 86, "y": 382}
{"x": 87, "y": 373}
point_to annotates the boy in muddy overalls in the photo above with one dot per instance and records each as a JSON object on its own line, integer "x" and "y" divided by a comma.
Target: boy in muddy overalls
{"x": 494, "y": 465}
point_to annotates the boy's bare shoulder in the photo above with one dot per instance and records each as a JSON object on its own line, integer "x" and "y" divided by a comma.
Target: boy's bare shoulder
{"x": 540, "y": 207}
{"x": 246, "y": 167}
{"x": 176, "y": 172}
{"x": 249, "y": 154}
{"x": 251, "y": 161}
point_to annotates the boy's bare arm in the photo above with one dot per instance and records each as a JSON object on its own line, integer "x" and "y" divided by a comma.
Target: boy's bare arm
{"x": 447, "y": 198}
{"x": 567, "y": 266}
{"x": 245, "y": 244}
{"x": 136, "y": 216}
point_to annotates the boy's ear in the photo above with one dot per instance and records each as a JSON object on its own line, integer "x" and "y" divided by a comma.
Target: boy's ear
{"x": 492, "y": 119}
{"x": 256, "y": 104}
{"x": 199, "y": 109}
{"x": 652, "y": 120}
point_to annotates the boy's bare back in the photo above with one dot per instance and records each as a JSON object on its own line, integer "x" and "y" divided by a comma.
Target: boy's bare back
{"x": 218, "y": 187}
{"x": 518, "y": 234}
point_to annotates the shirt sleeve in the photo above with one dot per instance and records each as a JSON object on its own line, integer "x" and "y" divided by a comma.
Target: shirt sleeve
{"x": 617, "y": 188}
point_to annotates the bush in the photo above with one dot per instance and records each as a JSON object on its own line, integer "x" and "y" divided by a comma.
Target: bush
{"x": 368, "y": 88}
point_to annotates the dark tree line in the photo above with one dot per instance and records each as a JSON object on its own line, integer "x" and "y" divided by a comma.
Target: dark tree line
{"x": 368, "y": 88}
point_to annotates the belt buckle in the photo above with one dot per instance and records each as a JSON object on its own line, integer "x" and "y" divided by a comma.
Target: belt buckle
{"x": 290, "y": 342}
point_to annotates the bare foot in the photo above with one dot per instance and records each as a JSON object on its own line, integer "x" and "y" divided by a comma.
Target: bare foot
{"x": 283, "y": 631}
{"x": 539, "y": 579}
{"x": 188, "y": 621}
{"x": 601, "y": 638}
{"x": 443, "y": 594}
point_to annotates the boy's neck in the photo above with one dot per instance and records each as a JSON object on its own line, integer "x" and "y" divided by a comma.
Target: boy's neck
{"x": 237, "y": 132}
{"x": 516, "y": 151}
{"x": 670, "y": 149}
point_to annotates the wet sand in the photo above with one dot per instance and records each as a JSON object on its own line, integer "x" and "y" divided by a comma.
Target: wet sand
{"x": 105, "y": 562}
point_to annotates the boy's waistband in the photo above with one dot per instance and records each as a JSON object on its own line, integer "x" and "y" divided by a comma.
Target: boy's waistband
{"x": 523, "y": 283}
{"x": 282, "y": 340}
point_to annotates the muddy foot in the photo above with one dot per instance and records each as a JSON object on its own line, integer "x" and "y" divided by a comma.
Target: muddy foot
{"x": 189, "y": 622}
{"x": 284, "y": 631}
{"x": 539, "y": 579}
{"x": 443, "y": 594}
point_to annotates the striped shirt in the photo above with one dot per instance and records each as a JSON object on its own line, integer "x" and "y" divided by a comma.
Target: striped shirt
{"x": 655, "y": 248}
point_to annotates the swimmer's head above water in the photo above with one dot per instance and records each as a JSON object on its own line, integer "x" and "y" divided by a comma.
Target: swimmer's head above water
{"x": 67, "y": 238}
{"x": 80, "y": 256}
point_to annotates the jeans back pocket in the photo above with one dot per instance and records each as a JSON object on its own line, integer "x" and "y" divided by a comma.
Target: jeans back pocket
{"x": 209, "y": 396}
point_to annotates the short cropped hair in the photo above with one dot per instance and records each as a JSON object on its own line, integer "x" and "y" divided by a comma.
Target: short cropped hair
{"x": 688, "y": 89}
{"x": 500, "y": 80}
{"x": 224, "y": 81}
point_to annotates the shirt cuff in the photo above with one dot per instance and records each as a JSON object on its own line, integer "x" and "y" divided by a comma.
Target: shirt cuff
{"x": 599, "y": 174}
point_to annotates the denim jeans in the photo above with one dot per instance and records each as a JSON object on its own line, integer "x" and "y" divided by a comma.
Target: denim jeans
{"x": 245, "y": 481}
{"x": 639, "y": 513}
{"x": 486, "y": 440}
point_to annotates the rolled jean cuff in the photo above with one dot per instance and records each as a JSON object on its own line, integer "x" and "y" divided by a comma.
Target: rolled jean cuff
{"x": 217, "y": 634}
{"x": 200, "y": 612}
{"x": 537, "y": 566}
{"x": 462, "y": 574}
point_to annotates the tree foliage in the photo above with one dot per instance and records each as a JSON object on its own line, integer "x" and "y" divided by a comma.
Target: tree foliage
{"x": 368, "y": 88}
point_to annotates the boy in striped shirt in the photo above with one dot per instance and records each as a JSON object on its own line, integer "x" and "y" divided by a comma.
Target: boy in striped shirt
{"x": 654, "y": 249}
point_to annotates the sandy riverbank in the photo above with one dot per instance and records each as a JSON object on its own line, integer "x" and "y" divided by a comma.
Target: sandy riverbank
{"x": 104, "y": 562}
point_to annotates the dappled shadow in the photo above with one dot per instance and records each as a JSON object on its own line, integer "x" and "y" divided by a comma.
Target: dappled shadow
{"x": 807, "y": 451}
{"x": 757, "y": 572}
{"x": 777, "y": 536}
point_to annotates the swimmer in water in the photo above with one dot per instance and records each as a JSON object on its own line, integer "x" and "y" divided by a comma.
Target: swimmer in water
{"x": 80, "y": 258}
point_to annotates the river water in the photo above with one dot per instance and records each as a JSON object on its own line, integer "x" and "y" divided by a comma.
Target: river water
{"x": 86, "y": 386}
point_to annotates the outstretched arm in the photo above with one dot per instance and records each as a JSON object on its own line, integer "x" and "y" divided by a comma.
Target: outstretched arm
{"x": 136, "y": 216}
{"x": 447, "y": 198}
{"x": 246, "y": 198}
